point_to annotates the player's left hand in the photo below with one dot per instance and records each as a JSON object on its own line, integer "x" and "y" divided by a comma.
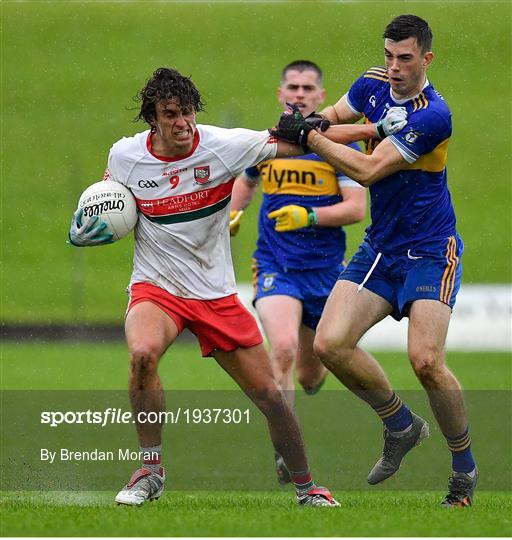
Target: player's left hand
{"x": 292, "y": 127}
{"x": 291, "y": 217}
{"x": 394, "y": 121}
{"x": 235, "y": 217}
{"x": 91, "y": 234}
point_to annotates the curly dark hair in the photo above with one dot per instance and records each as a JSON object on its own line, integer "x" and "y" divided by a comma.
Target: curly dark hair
{"x": 406, "y": 26}
{"x": 167, "y": 84}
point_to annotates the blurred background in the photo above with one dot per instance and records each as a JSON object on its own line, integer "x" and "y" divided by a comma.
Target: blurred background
{"x": 70, "y": 71}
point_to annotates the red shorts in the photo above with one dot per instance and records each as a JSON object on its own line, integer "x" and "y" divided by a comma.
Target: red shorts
{"x": 223, "y": 323}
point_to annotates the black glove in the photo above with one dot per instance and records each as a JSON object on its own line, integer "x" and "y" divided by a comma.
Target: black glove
{"x": 317, "y": 121}
{"x": 292, "y": 127}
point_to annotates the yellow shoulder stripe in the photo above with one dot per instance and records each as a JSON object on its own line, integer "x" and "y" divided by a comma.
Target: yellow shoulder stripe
{"x": 420, "y": 102}
{"x": 378, "y": 77}
{"x": 434, "y": 161}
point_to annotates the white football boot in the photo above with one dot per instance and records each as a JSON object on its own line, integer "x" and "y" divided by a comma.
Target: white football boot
{"x": 143, "y": 486}
{"x": 317, "y": 496}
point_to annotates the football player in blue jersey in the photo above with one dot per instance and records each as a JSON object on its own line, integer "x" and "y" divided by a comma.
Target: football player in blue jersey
{"x": 410, "y": 261}
{"x": 301, "y": 243}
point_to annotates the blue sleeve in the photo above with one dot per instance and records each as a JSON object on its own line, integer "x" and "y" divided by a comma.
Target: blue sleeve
{"x": 425, "y": 130}
{"x": 356, "y": 95}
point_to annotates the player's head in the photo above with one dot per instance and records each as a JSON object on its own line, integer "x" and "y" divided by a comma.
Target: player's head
{"x": 302, "y": 84}
{"x": 169, "y": 103}
{"x": 407, "y": 48}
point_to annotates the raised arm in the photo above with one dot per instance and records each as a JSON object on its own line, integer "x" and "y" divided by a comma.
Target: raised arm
{"x": 340, "y": 113}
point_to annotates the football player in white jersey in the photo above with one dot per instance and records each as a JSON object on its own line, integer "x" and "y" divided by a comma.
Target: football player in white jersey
{"x": 182, "y": 175}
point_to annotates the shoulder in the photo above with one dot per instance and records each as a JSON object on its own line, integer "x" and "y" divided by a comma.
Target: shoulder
{"x": 373, "y": 78}
{"x": 129, "y": 148}
{"x": 431, "y": 107}
{"x": 373, "y": 82}
{"x": 213, "y": 137}
{"x": 376, "y": 73}
{"x": 208, "y": 132}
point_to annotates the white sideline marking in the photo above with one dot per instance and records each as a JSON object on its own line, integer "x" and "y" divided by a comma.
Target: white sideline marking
{"x": 481, "y": 321}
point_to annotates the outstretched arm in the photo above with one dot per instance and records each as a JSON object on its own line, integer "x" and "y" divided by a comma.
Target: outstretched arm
{"x": 344, "y": 134}
{"x": 294, "y": 128}
{"x": 364, "y": 169}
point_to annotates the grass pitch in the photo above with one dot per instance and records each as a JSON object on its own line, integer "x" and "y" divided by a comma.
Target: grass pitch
{"x": 236, "y": 513}
{"x": 252, "y": 514}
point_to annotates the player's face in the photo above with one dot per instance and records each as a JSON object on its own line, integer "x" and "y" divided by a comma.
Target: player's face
{"x": 175, "y": 126}
{"x": 302, "y": 88}
{"x": 406, "y": 65}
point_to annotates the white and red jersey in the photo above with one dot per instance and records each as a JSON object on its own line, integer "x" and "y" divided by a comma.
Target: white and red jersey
{"x": 182, "y": 241}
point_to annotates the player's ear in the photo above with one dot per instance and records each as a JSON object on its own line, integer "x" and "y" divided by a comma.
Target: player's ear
{"x": 427, "y": 58}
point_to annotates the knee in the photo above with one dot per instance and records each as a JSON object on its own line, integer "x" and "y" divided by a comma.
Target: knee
{"x": 283, "y": 353}
{"x": 309, "y": 382}
{"x": 144, "y": 359}
{"x": 304, "y": 380}
{"x": 426, "y": 362}
{"x": 332, "y": 351}
{"x": 270, "y": 400}
{"x": 272, "y": 403}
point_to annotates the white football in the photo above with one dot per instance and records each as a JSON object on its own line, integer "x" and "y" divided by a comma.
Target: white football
{"x": 113, "y": 203}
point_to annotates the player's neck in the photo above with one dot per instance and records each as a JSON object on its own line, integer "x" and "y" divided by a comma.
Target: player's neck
{"x": 411, "y": 95}
{"x": 161, "y": 147}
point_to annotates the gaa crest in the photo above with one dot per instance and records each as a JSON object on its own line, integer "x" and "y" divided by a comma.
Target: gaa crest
{"x": 202, "y": 174}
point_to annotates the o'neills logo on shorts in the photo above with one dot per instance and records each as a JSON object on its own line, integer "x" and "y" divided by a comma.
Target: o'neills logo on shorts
{"x": 202, "y": 174}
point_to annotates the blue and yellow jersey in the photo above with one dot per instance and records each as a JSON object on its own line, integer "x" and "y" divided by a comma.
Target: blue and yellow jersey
{"x": 304, "y": 181}
{"x": 412, "y": 207}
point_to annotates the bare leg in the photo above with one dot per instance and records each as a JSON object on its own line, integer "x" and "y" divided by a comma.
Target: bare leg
{"x": 348, "y": 314}
{"x": 251, "y": 369}
{"x": 149, "y": 331}
{"x": 428, "y": 326}
{"x": 281, "y": 317}
{"x": 310, "y": 370}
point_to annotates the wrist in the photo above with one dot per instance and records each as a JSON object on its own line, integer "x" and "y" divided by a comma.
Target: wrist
{"x": 379, "y": 128}
{"x": 312, "y": 217}
{"x": 311, "y": 136}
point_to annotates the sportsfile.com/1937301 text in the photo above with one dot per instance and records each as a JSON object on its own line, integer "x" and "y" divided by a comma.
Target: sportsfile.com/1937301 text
{"x": 118, "y": 416}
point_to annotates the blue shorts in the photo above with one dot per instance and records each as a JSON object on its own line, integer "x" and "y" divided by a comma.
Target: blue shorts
{"x": 418, "y": 274}
{"x": 310, "y": 287}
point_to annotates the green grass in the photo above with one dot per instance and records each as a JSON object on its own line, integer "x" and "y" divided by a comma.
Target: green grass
{"x": 70, "y": 69}
{"x": 396, "y": 510}
{"x": 252, "y": 514}
{"x": 42, "y": 366}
